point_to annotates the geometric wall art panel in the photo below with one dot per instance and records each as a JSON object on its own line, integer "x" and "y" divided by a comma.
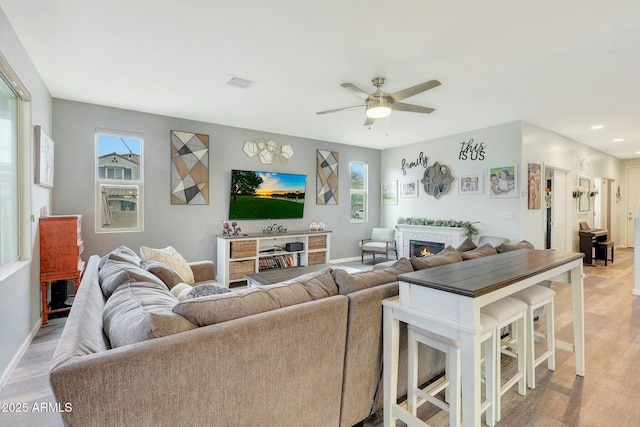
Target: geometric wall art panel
{"x": 189, "y": 168}
{"x": 327, "y": 178}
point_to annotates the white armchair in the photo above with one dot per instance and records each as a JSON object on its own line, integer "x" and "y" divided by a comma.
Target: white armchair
{"x": 382, "y": 241}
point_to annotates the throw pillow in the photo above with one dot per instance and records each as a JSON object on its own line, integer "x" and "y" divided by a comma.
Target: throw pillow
{"x": 172, "y": 258}
{"x": 467, "y": 245}
{"x": 163, "y": 272}
{"x": 207, "y": 289}
{"x": 442, "y": 258}
{"x": 180, "y": 291}
{"x": 403, "y": 265}
{"x": 482, "y": 251}
{"x": 507, "y": 247}
{"x": 138, "y": 311}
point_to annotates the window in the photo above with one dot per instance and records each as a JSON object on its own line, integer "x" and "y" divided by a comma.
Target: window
{"x": 14, "y": 139}
{"x": 358, "y": 191}
{"x": 119, "y": 182}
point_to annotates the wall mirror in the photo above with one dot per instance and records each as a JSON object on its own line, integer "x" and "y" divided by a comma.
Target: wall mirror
{"x": 584, "y": 202}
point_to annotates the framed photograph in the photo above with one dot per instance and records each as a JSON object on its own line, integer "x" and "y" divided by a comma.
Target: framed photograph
{"x": 503, "y": 182}
{"x": 409, "y": 189}
{"x": 390, "y": 193}
{"x": 44, "y": 158}
{"x": 470, "y": 184}
{"x": 534, "y": 191}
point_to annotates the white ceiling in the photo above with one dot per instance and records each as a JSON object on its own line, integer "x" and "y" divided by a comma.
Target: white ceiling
{"x": 563, "y": 65}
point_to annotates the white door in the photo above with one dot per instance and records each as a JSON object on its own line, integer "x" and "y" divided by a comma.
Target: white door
{"x": 559, "y": 211}
{"x": 633, "y": 195}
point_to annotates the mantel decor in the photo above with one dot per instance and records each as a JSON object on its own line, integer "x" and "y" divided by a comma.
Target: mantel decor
{"x": 441, "y": 223}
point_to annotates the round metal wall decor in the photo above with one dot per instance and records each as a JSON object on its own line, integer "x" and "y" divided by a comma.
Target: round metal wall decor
{"x": 437, "y": 179}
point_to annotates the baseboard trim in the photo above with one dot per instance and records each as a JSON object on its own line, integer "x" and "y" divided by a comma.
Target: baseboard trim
{"x": 4, "y": 379}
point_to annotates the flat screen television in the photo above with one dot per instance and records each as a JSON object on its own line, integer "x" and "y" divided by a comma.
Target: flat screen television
{"x": 266, "y": 195}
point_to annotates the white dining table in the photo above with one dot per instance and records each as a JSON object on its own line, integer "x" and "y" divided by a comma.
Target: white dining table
{"x": 447, "y": 300}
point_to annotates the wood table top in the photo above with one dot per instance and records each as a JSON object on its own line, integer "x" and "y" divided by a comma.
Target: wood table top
{"x": 480, "y": 276}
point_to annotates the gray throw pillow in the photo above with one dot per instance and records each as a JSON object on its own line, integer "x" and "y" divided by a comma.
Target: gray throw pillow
{"x": 507, "y": 247}
{"x": 207, "y": 289}
{"x": 467, "y": 245}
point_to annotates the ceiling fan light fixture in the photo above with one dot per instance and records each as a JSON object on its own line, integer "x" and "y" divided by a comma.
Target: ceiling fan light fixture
{"x": 378, "y": 108}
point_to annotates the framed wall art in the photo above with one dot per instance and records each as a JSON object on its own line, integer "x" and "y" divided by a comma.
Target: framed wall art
{"x": 189, "y": 168}
{"x": 503, "y": 182}
{"x": 44, "y": 158}
{"x": 408, "y": 189}
{"x": 534, "y": 184}
{"x": 470, "y": 184}
{"x": 390, "y": 193}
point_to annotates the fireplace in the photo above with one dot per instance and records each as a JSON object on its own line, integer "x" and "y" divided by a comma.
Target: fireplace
{"x": 421, "y": 248}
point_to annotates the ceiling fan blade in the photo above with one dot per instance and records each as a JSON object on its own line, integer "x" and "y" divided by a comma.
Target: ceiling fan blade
{"x": 341, "y": 109}
{"x": 414, "y": 90}
{"x": 369, "y": 121}
{"x": 355, "y": 89}
{"x": 401, "y": 106}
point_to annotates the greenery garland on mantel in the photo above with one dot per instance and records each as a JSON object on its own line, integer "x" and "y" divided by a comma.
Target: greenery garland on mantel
{"x": 471, "y": 229}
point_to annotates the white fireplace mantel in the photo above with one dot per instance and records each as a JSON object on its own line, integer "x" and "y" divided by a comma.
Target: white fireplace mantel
{"x": 453, "y": 236}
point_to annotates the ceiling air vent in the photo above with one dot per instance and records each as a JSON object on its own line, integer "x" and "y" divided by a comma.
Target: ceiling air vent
{"x": 239, "y": 82}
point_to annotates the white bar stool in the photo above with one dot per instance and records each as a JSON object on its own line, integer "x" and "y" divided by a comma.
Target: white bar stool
{"x": 537, "y": 296}
{"x": 451, "y": 381}
{"x": 507, "y": 311}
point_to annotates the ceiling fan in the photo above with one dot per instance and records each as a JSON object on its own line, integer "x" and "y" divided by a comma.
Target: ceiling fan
{"x": 379, "y": 104}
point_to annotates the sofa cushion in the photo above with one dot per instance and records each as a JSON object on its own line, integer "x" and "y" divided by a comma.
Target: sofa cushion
{"x": 479, "y": 252}
{"x": 446, "y": 256}
{"x": 221, "y": 308}
{"x": 114, "y": 273}
{"x": 401, "y": 264}
{"x": 138, "y": 311}
{"x": 507, "y": 247}
{"x": 467, "y": 245}
{"x": 123, "y": 254}
{"x": 351, "y": 282}
{"x": 162, "y": 271}
{"x": 318, "y": 284}
{"x": 288, "y": 294}
{"x": 172, "y": 258}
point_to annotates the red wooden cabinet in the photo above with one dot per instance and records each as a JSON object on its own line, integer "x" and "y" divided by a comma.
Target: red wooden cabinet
{"x": 61, "y": 249}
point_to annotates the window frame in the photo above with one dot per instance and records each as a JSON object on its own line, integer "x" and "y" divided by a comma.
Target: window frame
{"x": 363, "y": 192}
{"x": 24, "y": 133}
{"x": 126, "y": 187}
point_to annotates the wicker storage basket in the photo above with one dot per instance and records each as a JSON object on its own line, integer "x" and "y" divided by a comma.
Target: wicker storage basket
{"x": 317, "y": 242}
{"x": 243, "y": 248}
{"x": 316, "y": 258}
{"x": 237, "y": 269}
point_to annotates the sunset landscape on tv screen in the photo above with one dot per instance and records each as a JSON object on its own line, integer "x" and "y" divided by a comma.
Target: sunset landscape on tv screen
{"x": 266, "y": 195}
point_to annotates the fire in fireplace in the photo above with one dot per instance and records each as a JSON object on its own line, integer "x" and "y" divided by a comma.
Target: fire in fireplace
{"x": 421, "y": 248}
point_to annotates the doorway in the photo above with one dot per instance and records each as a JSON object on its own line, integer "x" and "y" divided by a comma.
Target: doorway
{"x": 633, "y": 197}
{"x": 556, "y": 209}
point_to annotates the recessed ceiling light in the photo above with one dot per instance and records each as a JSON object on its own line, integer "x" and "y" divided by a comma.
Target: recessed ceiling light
{"x": 618, "y": 140}
{"x": 597, "y": 127}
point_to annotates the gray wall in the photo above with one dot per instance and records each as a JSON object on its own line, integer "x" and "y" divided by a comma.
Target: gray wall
{"x": 19, "y": 283}
{"x": 192, "y": 229}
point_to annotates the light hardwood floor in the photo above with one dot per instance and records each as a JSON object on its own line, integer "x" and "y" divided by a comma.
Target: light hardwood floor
{"x": 608, "y": 395}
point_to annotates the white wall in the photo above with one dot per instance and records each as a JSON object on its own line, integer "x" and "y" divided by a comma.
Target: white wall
{"x": 20, "y": 288}
{"x": 553, "y": 150}
{"x": 192, "y": 229}
{"x": 496, "y": 217}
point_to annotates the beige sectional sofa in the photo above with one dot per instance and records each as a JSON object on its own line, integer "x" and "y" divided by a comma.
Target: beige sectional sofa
{"x": 307, "y": 352}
